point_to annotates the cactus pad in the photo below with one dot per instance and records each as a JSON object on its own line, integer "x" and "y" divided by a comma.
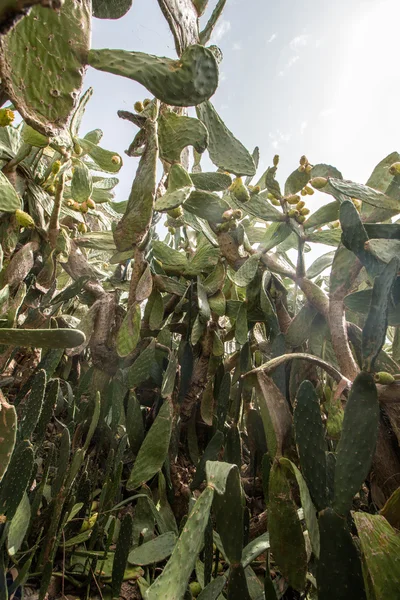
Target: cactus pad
{"x": 8, "y": 429}
{"x": 42, "y": 338}
{"x": 111, "y": 9}
{"x": 42, "y": 63}
{"x": 175, "y": 132}
{"x": 185, "y": 82}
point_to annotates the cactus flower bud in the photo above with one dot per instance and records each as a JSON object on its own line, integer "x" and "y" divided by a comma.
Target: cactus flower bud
{"x": 146, "y": 102}
{"x": 276, "y": 160}
{"x": 293, "y": 199}
{"x": 305, "y": 211}
{"x": 383, "y": 377}
{"x": 24, "y": 219}
{"x": 239, "y": 190}
{"x": 303, "y": 160}
{"x": 6, "y": 117}
{"x": 395, "y": 169}
{"x": 319, "y": 182}
{"x": 91, "y": 203}
{"x": 56, "y": 167}
{"x": 138, "y": 106}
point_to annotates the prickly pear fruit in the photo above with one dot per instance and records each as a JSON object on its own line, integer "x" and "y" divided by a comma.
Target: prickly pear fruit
{"x": 175, "y": 213}
{"x": 6, "y": 117}
{"x": 146, "y": 102}
{"x": 293, "y": 213}
{"x": 82, "y": 228}
{"x": 227, "y": 215}
{"x": 90, "y": 203}
{"x": 276, "y": 160}
{"x": 319, "y": 182}
{"x": 301, "y": 219}
{"x": 293, "y": 199}
{"x": 56, "y": 167}
{"x": 138, "y": 106}
{"x": 195, "y": 588}
{"x": 239, "y": 190}
{"x": 303, "y": 160}
{"x": 309, "y": 190}
{"x": 300, "y": 204}
{"x": 384, "y": 378}
{"x": 23, "y": 219}
{"x": 305, "y": 211}
{"x": 275, "y": 201}
{"x": 395, "y": 169}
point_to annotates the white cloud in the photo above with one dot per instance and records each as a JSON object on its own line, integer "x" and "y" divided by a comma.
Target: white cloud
{"x": 237, "y": 46}
{"x": 278, "y": 138}
{"x": 327, "y": 112}
{"x": 303, "y": 127}
{"x": 221, "y": 29}
{"x": 300, "y": 41}
{"x": 292, "y": 60}
{"x": 272, "y": 38}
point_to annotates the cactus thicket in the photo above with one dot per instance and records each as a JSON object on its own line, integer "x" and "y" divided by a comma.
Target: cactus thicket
{"x": 185, "y": 410}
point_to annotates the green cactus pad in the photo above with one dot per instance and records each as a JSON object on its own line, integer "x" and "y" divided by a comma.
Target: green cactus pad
{"x": 16, "y": 479}
{"x": 354, "y": 236}
{"x": 135, "y": 223}
{"x": 185, "y": 82}
{"x": 140, "y": 370}
{"x": 33, "y": 406}
{"x": 8, "y": 432}
{"x": 391, "y": 509}
{"x": 42, "y": 338}
{"x": 380, "y": 547}
{"x": 339, "y": 568}
{"x": 176, "y": 132}
{"x": 50, "y": 400}
{"x": 229, "y": 516}
{"x": 106, "y": 160}
{"x": 275, "y": 414}
{"x": 129, "y": 332}
{"x": 374, "y": 330}
{"x": 9, "y": 200}
{"x": 154, "y": 449}
{"x": 122, "y": 549}
{"x": 154, "y": 551}
{"x": 357, "y": 442}
{"x": 175, "y": 576}
{"x": 19, "y": 526}
{"x": 237, "y": 584}
{"x": 211, "y": 452}
{"x": 285, "y": 532}
{"x": 211, "y": 182}
{"x": 111, "y": 9}
{"x": 226, "y": 152}
{"x": 42, "y": 71}
{"x": 81, "y": 184}
{"x": 310, "y": 440}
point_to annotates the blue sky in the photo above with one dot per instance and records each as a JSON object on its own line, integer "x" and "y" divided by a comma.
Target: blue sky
{"x": 314, "y": 77}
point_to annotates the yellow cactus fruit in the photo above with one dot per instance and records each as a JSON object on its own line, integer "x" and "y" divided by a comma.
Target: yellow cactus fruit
{"x": 82, "y": 228}
{"x": 175, "y": 213}
{"x": 138, "y": 106}
{"x": 309, "y": 190}
{"x": 275, "y": 201}
{"x": 239, "y": 190}
{"x": 56, "y": 167}
{"x": 395, "y": 169}
{"x": 357, "y": 203}
{"x": 319, "y": 182}
{"x": 303, "y": 160}
{"x": 270, "y": 196}
{"x": 256, "y": 190}
{"x": 301, "y": 168}
{"x": 300, "y": 205}
{"x": 195, "y": 588}
{"x": 91, "y": 203}
{"x": 83, "y": 207}
{"x": 308, "y": 168}
{"x": 89, "y": 523}
{"x": 172, "y": 230}
{"x": 237, "y": 214}
{"x": 116, "y": 160}
{"x": 276, "y": 160}
{"x": 303, "y": 192}
{"x": 77, "y": 148}
{"x": 146, "y": 102}
{"x": 305, "y": 211}
{"x": 51, "y": 190}
{"x": 6, "y": 117}
{"x": 336, "y": 224}
{"x": 293, "y": 213}
{"x": 70, "y": 203}
{"x": 301, "y": 219}
{"x": 23, "y": 219}
{"x": 383, "y": 377}
{"x": 293, "y": 199}
{"x": 228, "y": 215}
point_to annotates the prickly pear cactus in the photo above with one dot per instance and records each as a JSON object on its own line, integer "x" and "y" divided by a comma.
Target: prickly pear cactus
{"x": 41, "y": 71}
{"x": 8, "y": 430}
{"x": 111, "y": 9}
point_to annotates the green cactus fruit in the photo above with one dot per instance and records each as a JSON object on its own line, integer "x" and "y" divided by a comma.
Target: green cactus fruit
{"x": 121, "y": 554}
{"x": 225, "y": 151}
{"x": 300, "y": 205}
{"x": 16, "y": 479}
{"x": 303, "y": 160}
{"x": 110, "y": 9}
{"x": 239, "y": 190}
{"x": 24, "y": 220}
{"x": 175, "y": 576}
{"x": 293, "y": 199}
{"x": 188, "y": 81}
{"x": 53, "y": 64}
{"x": 301, "y": 219}
{"x": 357, "y": 442}
{"x": 394, "y": 169}
{"x": 42, "y": 338}
{"x": 339, "y": 572}
{"x": 8, "y": 430}
{"x": 275, "y": 201}
{"x": 7, "y": 116}
{"x": 310, "y": 441}
{"x": 293, "y": 213}
{"x": 305, "y": 211}
{"x": 384, "y": 378}
{"x": 318, "y": 183}
{"x": 195, "y": 588}
{"x": 176, "y": 132}
{"x": 33, "y": 406}
{"x": 138, "y": 106}
{"x": 285, "y": 531}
